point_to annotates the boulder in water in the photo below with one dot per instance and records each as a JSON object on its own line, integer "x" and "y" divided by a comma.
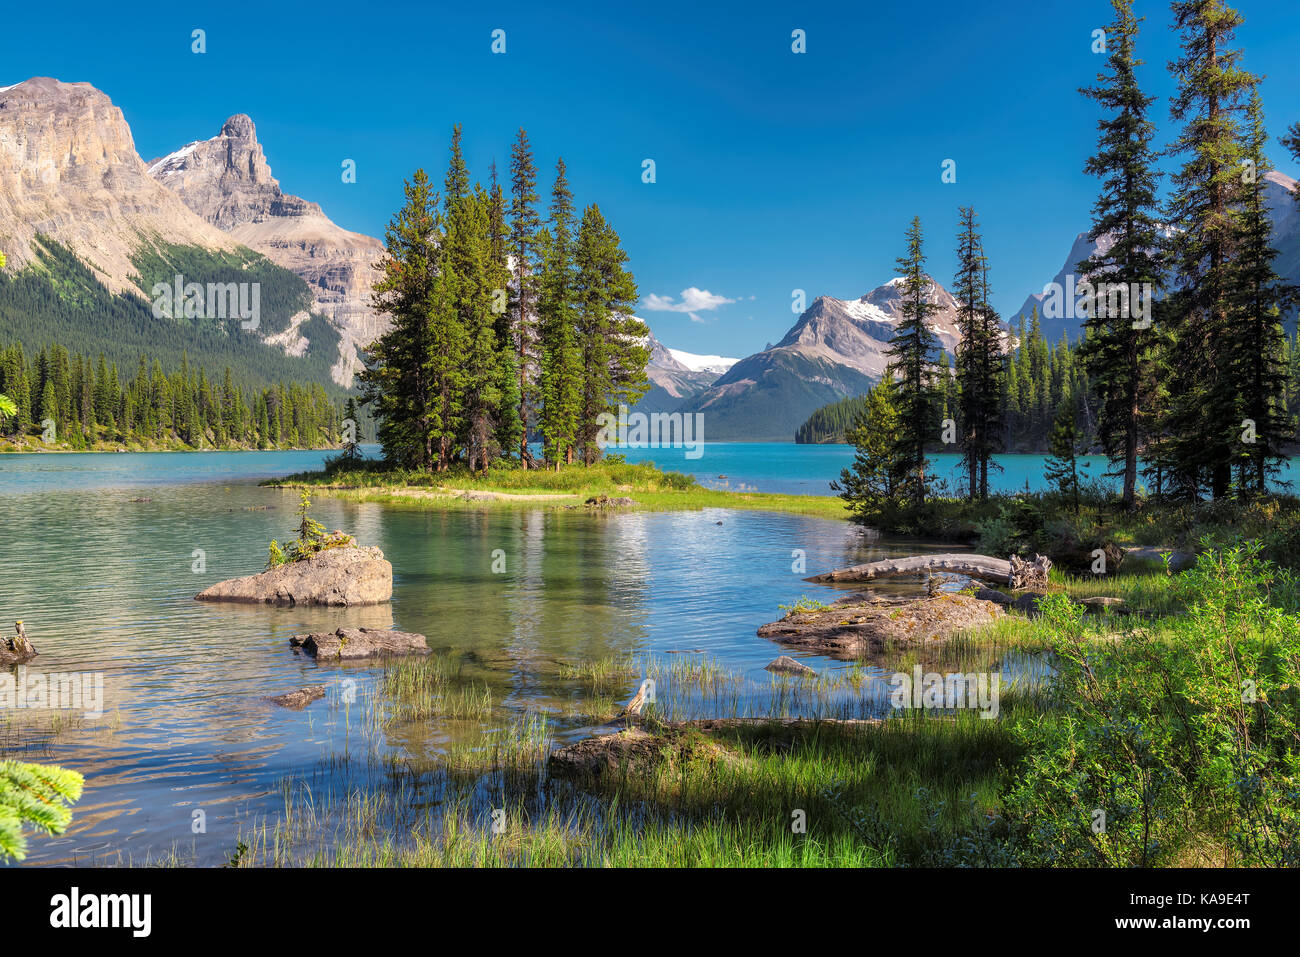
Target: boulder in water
{"x": 335, "y": 576}
{"x": 348, "y": 644}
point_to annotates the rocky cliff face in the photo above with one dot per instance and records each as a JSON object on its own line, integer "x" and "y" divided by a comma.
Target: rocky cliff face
{"x": 226, "y": 181}
{"x": 69, "y": 170}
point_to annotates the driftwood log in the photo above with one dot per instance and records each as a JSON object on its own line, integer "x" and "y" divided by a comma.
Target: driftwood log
{"x": 18, "y": 648}
{"x": 1015, "y": 572}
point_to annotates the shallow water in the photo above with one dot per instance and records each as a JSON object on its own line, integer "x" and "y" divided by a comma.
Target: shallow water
{"x": 102, "y": 555}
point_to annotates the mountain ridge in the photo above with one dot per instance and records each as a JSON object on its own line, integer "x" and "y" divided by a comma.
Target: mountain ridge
{"x": 227, "y": 181}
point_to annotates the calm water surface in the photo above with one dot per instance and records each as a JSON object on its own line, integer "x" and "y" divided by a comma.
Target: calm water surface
{"x": 99, "y": 558}
{"x": 102, "y": 554}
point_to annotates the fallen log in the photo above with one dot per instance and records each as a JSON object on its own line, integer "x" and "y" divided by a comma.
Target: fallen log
{"x": 1015, "y": 572}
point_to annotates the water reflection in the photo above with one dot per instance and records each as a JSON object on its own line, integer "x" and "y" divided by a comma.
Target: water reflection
{"x": 105, "y": 584}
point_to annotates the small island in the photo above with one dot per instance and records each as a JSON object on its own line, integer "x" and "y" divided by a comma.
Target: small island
{"x": 317, "y": 568}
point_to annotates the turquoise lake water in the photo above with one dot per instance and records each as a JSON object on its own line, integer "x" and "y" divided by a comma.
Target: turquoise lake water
{"x": 809, "y": 469}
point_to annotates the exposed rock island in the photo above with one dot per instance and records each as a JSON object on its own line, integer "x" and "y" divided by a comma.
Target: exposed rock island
{"x": 335, "y": 576}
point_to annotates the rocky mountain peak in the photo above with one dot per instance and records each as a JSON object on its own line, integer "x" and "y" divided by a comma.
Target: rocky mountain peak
{"x": 857, "y": 331}
{"x": 240, "y": 127}
{"x": 227, "y": 181}
{"x": 69, "y": 170}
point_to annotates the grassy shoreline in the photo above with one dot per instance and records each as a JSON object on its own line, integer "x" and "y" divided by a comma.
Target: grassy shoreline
{"x": 571, "y": 487}
{"x": 917, "y": 787}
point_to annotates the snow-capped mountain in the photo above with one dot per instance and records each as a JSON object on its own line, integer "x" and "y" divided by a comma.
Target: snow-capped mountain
{"x": 835, "y": 349}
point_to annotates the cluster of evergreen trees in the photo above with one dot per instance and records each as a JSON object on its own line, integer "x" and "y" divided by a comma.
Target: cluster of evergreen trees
{"x": 1039, "y": 378}
{"x": 505, "y": 325}
{"x": 1202, "y": 396}
{"x": 89, "y": 403}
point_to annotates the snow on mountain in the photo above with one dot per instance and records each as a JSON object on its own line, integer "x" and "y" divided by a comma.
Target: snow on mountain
{"x": 698, "y": 363}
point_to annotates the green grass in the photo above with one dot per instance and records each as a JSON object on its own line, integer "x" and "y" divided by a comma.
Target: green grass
{"x": 653, "y": 490}
{"x": 696, "y": 811}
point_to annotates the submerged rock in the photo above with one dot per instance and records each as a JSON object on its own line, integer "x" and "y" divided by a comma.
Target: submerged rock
{"x": 857, "y": 626}
{"x": 348, "y": 644}
{"x": 298, "y": 699}
{"x": 788, "y": 666}
{"x": 335, "y": 576}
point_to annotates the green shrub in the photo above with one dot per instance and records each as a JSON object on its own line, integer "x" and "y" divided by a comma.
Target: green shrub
{"x": 1174, "y": 743}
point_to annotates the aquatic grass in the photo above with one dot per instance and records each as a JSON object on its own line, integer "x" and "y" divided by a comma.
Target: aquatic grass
{"x": 603, "y": 675}
{"x": 421, "y": 688}
{"x": 754, "y": 795}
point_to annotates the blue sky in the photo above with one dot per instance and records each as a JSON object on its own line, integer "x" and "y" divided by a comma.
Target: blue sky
{"x": 775, "y": 171}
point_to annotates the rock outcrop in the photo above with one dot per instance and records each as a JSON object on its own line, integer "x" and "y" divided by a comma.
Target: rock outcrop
{"x": 226, "y": 181}
{"x": 857, "y": 626}
{"x": 335, "y": 576}
{"x": 349, "y": 644}
{"x": 785, "y": 665}
{"x": 611, "y": 757}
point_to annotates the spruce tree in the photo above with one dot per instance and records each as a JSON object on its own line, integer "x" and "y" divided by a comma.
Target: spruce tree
{"x": 509, "y": 428}
{"x": 911, "y": 363}
{"x": 524, "y": 226}
{"x": 398, "y": 379}
{"x": 979, "y": 361}
{"x": 559, "y": 379}
{"x": 1256, "y": 350}
{"x": 468, "y": 266}
{"x": 1061, "y": 467}
{"x": 609, "y": 338}
{"x": 1203, "y": 424}
{"x": 1119, "y": 352}
{"x": 869, "y": 485}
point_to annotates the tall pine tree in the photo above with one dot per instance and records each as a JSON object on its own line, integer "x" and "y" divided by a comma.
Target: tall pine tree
{"x": 1203, "y": 426}
{"x": 1119, "y": 351}
{"x": 524, "y": 226}
{"x": 911, "y": 362}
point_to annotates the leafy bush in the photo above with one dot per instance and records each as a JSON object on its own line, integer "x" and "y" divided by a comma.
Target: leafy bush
{"x": 1170, "y": 744}
{"x": 995, "y": 536}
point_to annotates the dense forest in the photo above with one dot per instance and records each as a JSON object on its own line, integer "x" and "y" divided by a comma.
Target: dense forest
{"x": 1194, "y": 390}
{"x": 502, "y": 323}
{"x": 59, "y": 301}
{"x": 1040, "y": 376}
{"x": 69, "y": 400}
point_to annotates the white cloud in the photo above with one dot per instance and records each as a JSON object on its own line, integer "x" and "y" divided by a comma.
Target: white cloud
{"x": 693, "y": 301}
